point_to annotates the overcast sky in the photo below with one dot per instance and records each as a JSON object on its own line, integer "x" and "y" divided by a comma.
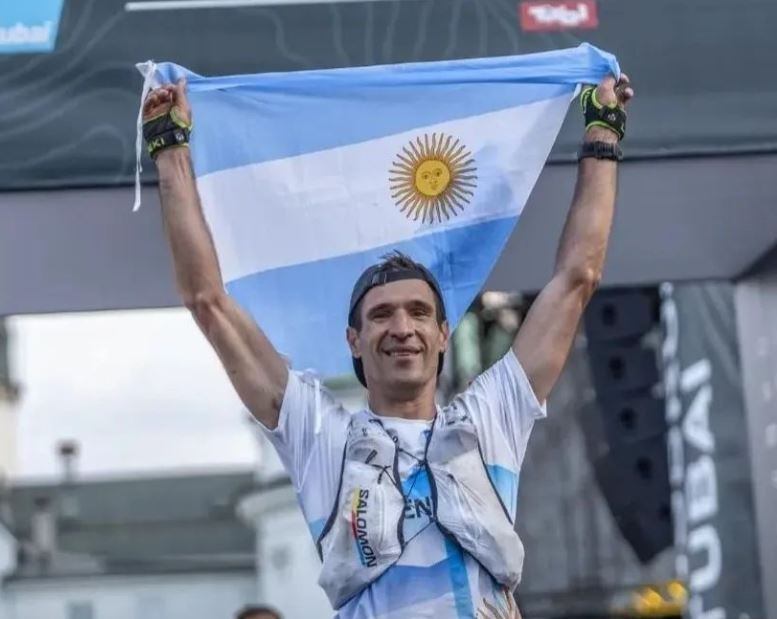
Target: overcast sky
{"x": 139, "y": 390}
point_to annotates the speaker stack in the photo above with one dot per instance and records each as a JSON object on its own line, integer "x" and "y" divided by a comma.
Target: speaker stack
{"x": 625, "y": 427}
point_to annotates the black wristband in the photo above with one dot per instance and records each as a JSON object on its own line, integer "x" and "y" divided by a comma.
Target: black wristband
{"x": 174, "y": 137}
{"x": 600, "y": 150}
{"x": 165, "y": 131}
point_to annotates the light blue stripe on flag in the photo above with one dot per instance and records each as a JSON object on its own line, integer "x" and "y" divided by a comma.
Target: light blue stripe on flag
{"x": 322, "y": 109}
{"x": 307, "y": 178}
{"x": 449, "y": 251}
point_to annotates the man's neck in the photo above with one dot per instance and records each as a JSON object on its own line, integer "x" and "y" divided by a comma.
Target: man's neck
{"x": 419, "y": 406}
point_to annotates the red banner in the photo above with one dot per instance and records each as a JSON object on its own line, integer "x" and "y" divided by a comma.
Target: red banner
{"x": 553, "y": 15}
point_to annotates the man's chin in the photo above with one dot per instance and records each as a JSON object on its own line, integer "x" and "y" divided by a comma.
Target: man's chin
{"x": 404, "y": 374}
{"x": 405, "y": 378}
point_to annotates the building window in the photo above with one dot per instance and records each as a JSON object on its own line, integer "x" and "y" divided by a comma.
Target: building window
{"x": 80, "y": 610}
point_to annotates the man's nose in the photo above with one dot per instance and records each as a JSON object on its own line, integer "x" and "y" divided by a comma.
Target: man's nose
{"x": 401, "y": 325}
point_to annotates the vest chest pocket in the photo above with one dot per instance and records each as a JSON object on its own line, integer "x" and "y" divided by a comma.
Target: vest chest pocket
{"x": 371, "y": 509}
{"x": 457, "y": 499}
{"x": 365, "y": 537}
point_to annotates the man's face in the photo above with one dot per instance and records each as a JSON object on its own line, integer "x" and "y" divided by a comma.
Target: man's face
{"x": 400, "y": 340}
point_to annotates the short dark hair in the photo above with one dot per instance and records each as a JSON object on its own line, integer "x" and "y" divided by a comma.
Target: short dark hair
{"x": 396, "y": 261}
{"x": 248, "y": 612}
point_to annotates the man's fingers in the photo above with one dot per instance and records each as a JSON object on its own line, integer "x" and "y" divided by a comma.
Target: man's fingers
{"x": 180, "y": 90}
{"x": 605, "y": 93}
{"x": 151, "y": 101}
{"x": 623, "y": 84}
{"x": 161, "y": 99}
{"x": 155, "y": 97}
{"x": 608, "y": 83}
{"x": 623, "y": 89}
{"x": 157, "y": 100}
{"x": 161, "y": 91}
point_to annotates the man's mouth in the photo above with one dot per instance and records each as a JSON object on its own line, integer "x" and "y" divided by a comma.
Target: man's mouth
{"x": 402, "y": 352}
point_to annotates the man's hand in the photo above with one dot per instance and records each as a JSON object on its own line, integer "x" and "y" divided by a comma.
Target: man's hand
{"x": 167, "y": 118}
{"x": 609, "y": 92}
{"x": 161, "y": 100}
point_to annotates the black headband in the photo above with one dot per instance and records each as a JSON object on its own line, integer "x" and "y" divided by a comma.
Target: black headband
{"x": 374, "y": 276}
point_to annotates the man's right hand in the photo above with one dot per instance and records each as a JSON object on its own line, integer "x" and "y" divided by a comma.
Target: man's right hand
{"x": 161, "y": 100}
{"x": 167, "y": 118}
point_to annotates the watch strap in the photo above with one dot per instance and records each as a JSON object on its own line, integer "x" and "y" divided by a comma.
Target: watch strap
{"x": 600, "y": 150}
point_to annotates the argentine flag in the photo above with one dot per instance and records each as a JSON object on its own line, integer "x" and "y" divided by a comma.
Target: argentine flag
{"x": 308, "y": 177}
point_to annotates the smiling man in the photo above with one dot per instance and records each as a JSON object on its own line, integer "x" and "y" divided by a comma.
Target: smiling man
{"x": 411, "y": 505}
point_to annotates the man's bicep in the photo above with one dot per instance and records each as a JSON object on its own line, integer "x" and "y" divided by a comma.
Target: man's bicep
{"x": 256, "y": 370}
{"x": 545, "y": 338}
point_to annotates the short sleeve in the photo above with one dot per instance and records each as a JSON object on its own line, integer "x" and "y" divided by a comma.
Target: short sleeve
{"x": 311, "y": 426}
{"x": 503, "y": 405}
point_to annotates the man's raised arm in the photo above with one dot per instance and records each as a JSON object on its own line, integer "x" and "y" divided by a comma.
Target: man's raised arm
{"x": 544, "y": 340}
{"x": 256, "y": 370}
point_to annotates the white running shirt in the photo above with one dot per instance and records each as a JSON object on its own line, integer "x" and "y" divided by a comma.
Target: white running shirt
{"x": 433, "y": 578}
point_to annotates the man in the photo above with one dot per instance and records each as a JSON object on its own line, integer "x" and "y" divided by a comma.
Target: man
{"x": 412, "y": 506}
{"x": 258, "y": 612}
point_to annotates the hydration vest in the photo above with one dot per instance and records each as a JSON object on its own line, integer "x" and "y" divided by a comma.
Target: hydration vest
{"x": 363, "y": 536}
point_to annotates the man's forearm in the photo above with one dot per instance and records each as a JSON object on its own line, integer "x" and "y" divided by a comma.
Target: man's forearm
{"x": 194, "y": 256}
{"x": 583, "y": 244}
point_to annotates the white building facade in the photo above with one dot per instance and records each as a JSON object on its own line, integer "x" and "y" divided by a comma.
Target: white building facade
{"x": 8, "y": 397}
{"x": 169, "y": 596}
{"x": 165, "y": 547}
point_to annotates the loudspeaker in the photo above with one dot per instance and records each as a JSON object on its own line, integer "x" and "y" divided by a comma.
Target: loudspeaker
{"x": 627, "y": 421}
{"x": 634, "y": 479}
{"x": 620, "y": 369}
{"x": 625, "y": 428}
{"x": 648, "y": 529}
{"x": 620, "y": 314}
{"x": 636, "y": 473}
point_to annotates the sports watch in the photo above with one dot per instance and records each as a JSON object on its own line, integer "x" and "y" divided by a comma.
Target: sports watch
{"x": 600, "y": 150}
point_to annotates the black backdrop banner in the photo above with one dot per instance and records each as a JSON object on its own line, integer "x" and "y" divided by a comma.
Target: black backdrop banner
{"x": 700, "y": 68}
{"x": 713, "y": 510}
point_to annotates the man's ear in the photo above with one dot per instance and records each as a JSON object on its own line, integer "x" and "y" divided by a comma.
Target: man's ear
{"x": 446, "y": 335}
{"x": 352, "y": 335}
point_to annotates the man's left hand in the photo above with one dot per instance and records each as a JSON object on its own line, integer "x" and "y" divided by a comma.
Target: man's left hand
{"x": 610, "y": 91}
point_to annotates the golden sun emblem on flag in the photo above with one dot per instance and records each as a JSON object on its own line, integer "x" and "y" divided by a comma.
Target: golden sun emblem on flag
{"x": 434, "y": 177}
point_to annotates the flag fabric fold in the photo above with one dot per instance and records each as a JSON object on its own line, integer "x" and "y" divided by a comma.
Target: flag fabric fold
{"x": 308, "y": 177}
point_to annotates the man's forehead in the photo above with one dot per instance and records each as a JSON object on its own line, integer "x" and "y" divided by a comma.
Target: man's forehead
{"x": 400, "y": 291}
